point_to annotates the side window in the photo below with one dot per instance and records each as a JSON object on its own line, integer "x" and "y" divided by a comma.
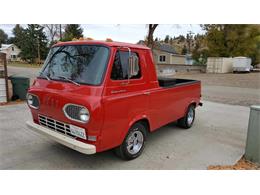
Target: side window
{"x": 162, "y": 58}
{"x": 120, "y": 66}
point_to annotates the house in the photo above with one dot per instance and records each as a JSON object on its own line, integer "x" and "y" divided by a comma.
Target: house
{"x": 168, "y": 61}
{"x": 166, "y": 54}
{"x": 12, "y": 52}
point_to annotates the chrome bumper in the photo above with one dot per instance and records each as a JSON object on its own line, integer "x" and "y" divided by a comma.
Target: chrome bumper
{"x": 62, "y": 139}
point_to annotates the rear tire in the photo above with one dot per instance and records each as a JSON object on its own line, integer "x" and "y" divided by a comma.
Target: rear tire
{"x": 133, "y": 144}
{"x": 186, "y": 122}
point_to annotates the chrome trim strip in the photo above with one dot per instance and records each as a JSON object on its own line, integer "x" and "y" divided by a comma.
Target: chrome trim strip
{"x": 118, "y": 91}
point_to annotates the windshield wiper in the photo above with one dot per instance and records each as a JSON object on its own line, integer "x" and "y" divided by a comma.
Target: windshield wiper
{"x": 67, "y": 79}
{"x": 45, "y": 76}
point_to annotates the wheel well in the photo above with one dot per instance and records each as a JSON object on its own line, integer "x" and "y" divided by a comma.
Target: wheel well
{"x": 145, "y": 122}
{"x": 193, "y": 104}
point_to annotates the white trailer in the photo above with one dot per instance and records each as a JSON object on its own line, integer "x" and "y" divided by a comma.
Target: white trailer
{"x": 219, "y": 65}
{"x": 242, "y": 64}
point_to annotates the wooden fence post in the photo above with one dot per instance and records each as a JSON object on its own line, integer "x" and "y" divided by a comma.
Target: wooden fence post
{"x": 3, "y": 59}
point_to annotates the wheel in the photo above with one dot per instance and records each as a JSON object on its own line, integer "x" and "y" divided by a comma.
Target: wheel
{"x": 187, "y": 121}
{"x": 133, "y": 144}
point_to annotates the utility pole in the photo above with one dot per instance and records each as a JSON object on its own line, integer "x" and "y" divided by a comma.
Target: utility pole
{"x": 39, "y": 54}
{"x": 189, "y": 36}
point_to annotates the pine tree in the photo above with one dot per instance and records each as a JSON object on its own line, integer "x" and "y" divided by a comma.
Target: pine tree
{"x": 19, "y": 36}
{"x": 167, "y": 39}
{"x": 72, "y": 31}
{"x": 35, "y": 43}
{"x": 3, "y": 37}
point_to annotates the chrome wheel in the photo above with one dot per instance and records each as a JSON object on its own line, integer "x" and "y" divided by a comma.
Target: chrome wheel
{"x": 190, "y": 117}
{"x": 135, "y": 142}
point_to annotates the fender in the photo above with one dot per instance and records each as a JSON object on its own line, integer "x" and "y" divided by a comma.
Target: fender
{"x": 132, "y": 122}
{"x": 191, "y": 102}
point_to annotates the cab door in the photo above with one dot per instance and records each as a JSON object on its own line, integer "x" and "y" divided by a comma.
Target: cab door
{"x": 124, "y": 99}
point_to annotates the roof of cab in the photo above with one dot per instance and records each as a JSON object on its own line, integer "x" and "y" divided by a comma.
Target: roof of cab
{"x": 106, "y": 43}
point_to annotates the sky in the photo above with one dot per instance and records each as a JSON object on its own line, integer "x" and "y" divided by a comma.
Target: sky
{"x": 131, "y": 33}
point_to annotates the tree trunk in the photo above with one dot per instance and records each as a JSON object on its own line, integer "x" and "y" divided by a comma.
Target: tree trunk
{"x": 151, "y": 30}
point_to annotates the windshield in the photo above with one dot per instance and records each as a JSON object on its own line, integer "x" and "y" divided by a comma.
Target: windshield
{"x": 84, "y": 64}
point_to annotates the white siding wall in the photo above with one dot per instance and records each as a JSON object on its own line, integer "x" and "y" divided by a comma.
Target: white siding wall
{"x": 11, "y": 52}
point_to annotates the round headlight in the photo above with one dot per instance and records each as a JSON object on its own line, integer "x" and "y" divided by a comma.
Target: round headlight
{"x": 33, "y": 101}
{"x": 30, "y": 99}
{"x": 84, "y": 115}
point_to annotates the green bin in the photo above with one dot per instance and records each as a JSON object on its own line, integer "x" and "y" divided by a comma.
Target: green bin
{"x": 20, "y": 86}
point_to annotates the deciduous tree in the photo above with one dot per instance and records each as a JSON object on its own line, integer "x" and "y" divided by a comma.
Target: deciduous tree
{"x": 230, "y": 40}
{"x": 151, "y": 29}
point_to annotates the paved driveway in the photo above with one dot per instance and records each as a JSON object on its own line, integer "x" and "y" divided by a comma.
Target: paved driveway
{"x": 217, "y": 138}
{"x": 21, "y": 71}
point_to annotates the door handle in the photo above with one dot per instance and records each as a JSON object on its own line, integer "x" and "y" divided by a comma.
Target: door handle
{"x": 147, "y": 93}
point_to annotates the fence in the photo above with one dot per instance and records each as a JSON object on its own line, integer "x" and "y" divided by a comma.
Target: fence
{"x": 171, "y": 69}
{"x": 4, "y": 95}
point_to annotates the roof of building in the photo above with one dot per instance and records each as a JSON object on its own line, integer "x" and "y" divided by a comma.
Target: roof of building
{"x": 165, "y": 47}
{"x": 161, "y": 46}
{"x": 105, "y": 43}
{"x": 5, "y": 46}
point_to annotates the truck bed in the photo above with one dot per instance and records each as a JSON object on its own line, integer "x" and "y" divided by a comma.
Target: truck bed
{"x": 172, "y": 82}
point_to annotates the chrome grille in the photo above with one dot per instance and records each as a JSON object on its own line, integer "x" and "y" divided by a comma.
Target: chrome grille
{"x": 72, "y": 111}
{"x": 55, "y": 125}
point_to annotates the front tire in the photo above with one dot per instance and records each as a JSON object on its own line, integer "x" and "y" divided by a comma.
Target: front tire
{"x": 187, "y": 121}
{"x": 133, "y": 144}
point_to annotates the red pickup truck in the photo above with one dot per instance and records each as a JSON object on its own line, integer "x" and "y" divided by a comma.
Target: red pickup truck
{"x": 93, "y": 96}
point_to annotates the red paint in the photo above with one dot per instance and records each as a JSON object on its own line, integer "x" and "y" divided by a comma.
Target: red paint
{"x": 113, "y": 114}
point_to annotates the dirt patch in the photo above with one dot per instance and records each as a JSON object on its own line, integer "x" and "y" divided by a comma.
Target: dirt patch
{"x": 242, "y": 164}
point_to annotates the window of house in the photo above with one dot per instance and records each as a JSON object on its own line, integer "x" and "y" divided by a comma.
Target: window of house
{"x": 12, "y": 48}
{"x": 162, "y": 58}
{"x": 120, "y": 66}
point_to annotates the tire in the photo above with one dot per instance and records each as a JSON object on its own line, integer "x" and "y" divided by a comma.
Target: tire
{"x": 133, "y": 144}
{"x": 186, "y": 122}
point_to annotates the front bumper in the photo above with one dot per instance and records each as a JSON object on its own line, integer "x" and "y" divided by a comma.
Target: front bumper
{"x": 62, "y": 139}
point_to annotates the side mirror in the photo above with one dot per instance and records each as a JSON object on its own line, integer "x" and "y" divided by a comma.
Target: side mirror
{"x": 133, "y": 68}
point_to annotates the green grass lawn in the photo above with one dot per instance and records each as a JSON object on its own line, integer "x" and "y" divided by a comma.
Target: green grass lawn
{"x": 25, "y": 65}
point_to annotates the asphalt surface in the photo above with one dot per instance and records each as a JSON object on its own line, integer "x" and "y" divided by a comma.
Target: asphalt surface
{"x": 218, "y": 137}
{"x": 231, "y": 95}
{"x": 236, "y": 89}
{"x": 21, "y": 71}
